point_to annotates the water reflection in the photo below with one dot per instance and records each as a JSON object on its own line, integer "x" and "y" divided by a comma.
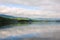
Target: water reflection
{"x": 44, "y": 31}
{"x": 6, "y": 25}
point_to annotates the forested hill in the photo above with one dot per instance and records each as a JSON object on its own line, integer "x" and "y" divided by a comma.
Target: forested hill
{"x": 6, "y": 19}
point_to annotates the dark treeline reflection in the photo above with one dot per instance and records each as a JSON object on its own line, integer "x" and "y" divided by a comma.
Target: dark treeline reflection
{"x": 9, "y": 21}
{"x": 5, "y": 21}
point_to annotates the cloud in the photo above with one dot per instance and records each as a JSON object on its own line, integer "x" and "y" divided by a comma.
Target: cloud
{"x": 47, "y": 8}
{"x": 45, "y": 4}
{"x": 17, "y": 11}
{"x": 21, "y": 12}
{"x": 31, "y": 2}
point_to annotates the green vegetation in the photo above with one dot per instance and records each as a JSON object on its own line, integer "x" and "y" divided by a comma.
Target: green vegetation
{"x": 20, "y": 18}
{"x": 13, "y": 20}
{"x": 23, "y": 20}
{"x": 6, "y": 21}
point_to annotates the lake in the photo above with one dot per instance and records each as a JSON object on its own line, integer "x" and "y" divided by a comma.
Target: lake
{"x": 31, "y": 31}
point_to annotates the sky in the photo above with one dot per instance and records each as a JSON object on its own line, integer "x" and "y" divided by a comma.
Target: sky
{"x": 31, "y": 8}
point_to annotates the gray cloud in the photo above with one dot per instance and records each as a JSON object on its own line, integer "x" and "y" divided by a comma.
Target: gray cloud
{"x": 31, "y": 2}
{"x": 49, "y": 7}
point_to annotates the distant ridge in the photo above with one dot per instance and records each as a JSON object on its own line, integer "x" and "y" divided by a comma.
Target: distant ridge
{"x": 46, "y": 18}
{"x": 6, "y": 16}
{"x": 9, "y": 16}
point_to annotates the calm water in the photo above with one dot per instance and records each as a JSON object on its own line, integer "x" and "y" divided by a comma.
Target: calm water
{"x": 49, "y": 30}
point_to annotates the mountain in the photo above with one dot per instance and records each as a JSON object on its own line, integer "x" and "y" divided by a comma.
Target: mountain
{"x": 46, "y": 18}
{"x": 6, "y": 16}
{"x": 13, "y": 17}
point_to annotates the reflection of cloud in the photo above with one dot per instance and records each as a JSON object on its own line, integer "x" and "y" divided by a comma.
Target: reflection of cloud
{"x": 44, "y": 31}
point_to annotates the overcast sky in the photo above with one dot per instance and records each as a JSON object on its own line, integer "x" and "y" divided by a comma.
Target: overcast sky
{"x": 31, "y": 8}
